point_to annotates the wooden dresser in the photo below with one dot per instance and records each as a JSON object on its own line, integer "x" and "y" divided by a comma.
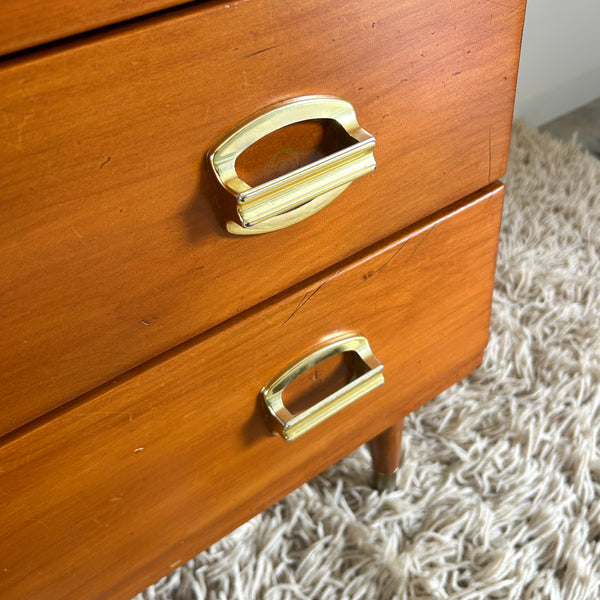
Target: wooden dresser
{"x": 208, "y": 292}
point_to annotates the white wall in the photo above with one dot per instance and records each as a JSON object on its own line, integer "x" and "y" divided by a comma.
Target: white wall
{"x": 560, "y": 58}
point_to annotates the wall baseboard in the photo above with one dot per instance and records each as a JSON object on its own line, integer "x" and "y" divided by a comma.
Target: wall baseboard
{"x": 557, "y": 101}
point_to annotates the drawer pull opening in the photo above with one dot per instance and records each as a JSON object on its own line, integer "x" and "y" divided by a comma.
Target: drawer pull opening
{"x": 300, "y": 193}
{"x": 366, "y": 376}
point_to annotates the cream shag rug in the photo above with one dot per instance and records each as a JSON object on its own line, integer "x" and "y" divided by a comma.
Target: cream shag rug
{"x": 499, "y": 488}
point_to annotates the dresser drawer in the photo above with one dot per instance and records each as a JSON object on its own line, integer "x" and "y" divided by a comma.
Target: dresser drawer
{"x": 111, "y": 250}
{"x": 175, "y": 455}
{"x": 21, "y": 26}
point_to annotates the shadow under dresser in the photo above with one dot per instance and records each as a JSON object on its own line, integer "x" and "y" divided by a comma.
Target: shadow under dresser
{"x": 209, "y": 294}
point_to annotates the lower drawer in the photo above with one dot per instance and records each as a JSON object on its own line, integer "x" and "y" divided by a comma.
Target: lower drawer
{"x": 120, "y": 487}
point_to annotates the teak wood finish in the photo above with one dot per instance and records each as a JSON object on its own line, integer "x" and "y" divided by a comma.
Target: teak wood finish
{"x": 21, "y": 26}
{"x": 141, "y": 475}
{"x": 111, "y": 251}
{"x": 136, "y": 335}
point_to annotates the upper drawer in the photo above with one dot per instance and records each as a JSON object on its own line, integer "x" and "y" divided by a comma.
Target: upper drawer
{"x": 21, "y": 26}
{"x": 110, "y": 250}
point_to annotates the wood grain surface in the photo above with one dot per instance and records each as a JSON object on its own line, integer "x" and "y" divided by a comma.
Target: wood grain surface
{"x": 123, "y": 486}
{"x": 21, "y": 26}
{"x": 110, "y": 248}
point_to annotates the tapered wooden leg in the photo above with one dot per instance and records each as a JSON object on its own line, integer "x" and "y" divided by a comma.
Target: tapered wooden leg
{"x": 385, "y": 453}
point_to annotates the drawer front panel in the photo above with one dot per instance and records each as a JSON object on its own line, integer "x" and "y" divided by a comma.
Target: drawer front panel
{"x": 110, "y": 249}
{"x": 21, "y": 26}
{"x": 179, "y": 453}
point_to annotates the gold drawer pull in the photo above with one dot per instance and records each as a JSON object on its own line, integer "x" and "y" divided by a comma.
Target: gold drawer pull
{"x": 294, "y": 196}
{"x": 290, "y": 426}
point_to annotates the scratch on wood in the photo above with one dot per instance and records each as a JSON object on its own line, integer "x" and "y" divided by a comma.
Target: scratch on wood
{"x": 260, "y": 51}
{"x": 308, "y": 296}
{"x": 421, "y": 242}
{"x": 297, "y": 308}
{"x": 105, "y": 162}
{"x": 391, "y": 258}
{"x": 386, "y": 263}
{"x": 304, "y": 300}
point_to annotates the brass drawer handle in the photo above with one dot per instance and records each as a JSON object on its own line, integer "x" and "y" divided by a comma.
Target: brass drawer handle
{"x": 294, "y": 196}
{"x": 290, "y": 426}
